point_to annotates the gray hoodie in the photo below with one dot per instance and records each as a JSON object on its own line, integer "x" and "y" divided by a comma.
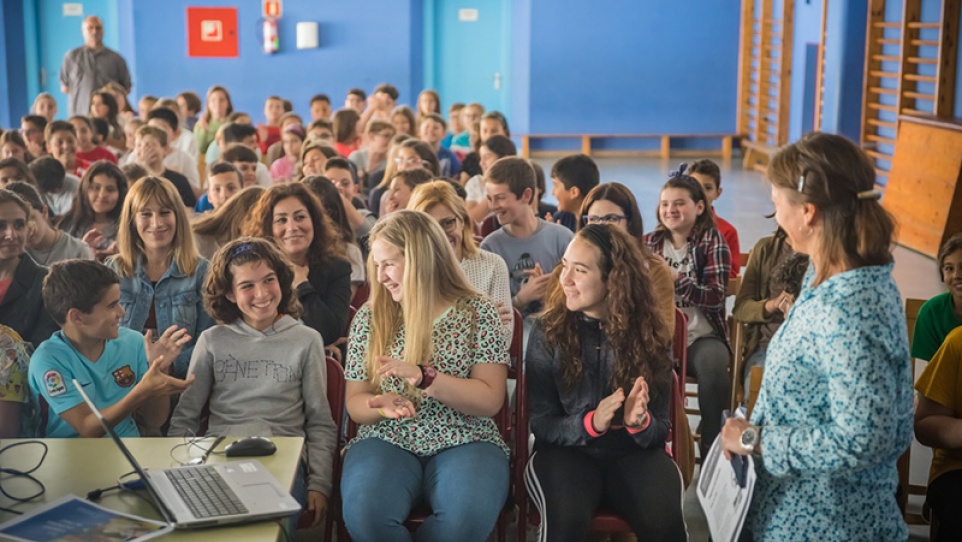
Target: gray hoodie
{"x": 264, "y": 383}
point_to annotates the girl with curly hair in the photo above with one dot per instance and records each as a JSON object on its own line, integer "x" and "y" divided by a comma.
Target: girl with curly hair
{"x": 599, "y": 381}
{"x": 294, "y": 218}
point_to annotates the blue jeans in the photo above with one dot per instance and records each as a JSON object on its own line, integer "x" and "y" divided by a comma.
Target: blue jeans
{"x": 465, "y": 486}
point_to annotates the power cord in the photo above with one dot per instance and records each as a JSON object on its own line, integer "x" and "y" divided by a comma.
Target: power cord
{"x": 26, "y": 474}
{"x": 132, "y": 485}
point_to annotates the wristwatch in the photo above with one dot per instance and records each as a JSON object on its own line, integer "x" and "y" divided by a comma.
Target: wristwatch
{"x": 428, "y": 374}
{"x": 750, "y": 437}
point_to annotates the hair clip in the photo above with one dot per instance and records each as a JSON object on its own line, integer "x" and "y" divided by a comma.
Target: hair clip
{"x": 680, "y": 172}
{"x": 246, "y": 247}
{"x": 870, "y": 194}
{"x": 801, "y": 183}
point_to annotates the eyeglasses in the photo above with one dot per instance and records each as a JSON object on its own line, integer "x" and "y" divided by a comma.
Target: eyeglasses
{"x": 603, "y": 219}
{"x": 410, "y": 161}
{"x": 449, "y": 224}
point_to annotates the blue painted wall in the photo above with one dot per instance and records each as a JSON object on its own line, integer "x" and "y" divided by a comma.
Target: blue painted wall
{"x": 13, "y": 94}
{"x": 808, "y": 21}
{"x": 362, "y": 43}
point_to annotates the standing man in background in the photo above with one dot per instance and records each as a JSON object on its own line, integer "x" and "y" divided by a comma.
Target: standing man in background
{"x": 89, "y": 67}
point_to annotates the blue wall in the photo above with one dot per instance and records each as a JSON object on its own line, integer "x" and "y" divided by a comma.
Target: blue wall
{"x": 362, "y": 44}
{"x": 13, "y": 70}
{"x": 808, "y": 29}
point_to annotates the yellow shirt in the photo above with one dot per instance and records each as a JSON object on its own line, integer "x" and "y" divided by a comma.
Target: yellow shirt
{"x": 941, "y": 381}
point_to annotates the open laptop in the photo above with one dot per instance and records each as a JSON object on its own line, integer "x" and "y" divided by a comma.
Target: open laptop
{"x": 192, "y": 497}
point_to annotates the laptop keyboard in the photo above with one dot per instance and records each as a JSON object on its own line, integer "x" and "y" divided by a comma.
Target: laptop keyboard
{"x": 205, "y": 492}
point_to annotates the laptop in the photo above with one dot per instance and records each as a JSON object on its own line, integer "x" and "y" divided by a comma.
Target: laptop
{"x": 192, "y": 497}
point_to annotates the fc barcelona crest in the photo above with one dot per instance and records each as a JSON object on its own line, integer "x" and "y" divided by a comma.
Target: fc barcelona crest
{"x": 124, "y": 377}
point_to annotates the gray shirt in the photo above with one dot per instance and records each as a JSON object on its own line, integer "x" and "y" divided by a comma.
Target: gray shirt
{"x": 67, "y": 247}
{"x": 86, "y": 70}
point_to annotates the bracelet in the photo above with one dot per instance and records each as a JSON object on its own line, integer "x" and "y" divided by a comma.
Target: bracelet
{"x": 380, "y": 411}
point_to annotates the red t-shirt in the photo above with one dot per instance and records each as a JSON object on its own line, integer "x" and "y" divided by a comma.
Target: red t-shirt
{"x": 731, "y": 235}
{"x": 98, "y": 153}
{"x": 345, "y": 149}
{"x": 273, "y": 136}
{"x": 4, "y": 286}
{"x": 80, "y": 166}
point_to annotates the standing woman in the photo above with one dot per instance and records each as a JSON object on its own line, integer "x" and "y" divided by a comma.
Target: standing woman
{"x": 426, "y": 372}
{"x": 161, "y": 274}
{"x": 835, "y": 409}
{"x": 293, "y": 217}
{"x": 95, "y": 213}
{"x": 21, "y": 279}
{"x": 599, "y": 385}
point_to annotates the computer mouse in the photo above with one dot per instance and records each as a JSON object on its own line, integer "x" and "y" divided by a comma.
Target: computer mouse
{"x": 250, "y": 446}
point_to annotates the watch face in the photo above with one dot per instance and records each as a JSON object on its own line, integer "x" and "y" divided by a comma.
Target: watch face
{"x": 749, "y": 438}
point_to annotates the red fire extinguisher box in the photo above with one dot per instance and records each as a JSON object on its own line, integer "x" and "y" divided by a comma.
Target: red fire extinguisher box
{"x": 211, "y": 32}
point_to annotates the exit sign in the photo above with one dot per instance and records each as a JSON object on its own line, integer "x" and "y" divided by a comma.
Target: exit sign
{"x": 271, "y": 8}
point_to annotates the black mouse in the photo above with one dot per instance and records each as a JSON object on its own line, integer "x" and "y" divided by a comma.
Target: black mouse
{"x": 250, "y": 446}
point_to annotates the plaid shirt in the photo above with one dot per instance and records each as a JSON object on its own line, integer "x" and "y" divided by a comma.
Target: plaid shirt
{"x": 705, "y": 286}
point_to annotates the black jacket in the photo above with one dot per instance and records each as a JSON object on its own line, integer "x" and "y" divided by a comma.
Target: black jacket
{"x": 326, "y": 297}
{"x": 22, "y": 307}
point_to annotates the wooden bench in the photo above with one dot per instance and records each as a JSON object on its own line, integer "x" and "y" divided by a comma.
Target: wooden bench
{"x": 756, "y": 155}
{"x": 664, "y": 148}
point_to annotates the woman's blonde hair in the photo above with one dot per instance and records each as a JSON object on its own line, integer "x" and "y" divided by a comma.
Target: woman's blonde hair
{"x": 226, "y": 222}
{"x": 836, "y": 176}
{"x": 129, "y": 242}
{"x": 440, "y": 192}
{"x": 431, "y": 277}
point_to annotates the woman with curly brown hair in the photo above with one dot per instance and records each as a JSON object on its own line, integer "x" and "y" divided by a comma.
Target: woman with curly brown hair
{"x": 599, "y": 381}
{"x": 293, "y": 217}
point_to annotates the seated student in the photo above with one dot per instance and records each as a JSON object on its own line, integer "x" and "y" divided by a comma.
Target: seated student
{"x": 937, "y": 422}
{"x": 218, "y": 107}
{"x": 16, "y": 412}
{"x": 104, "y": 105}
{"x": 429, "y": 101}
{"x": 33, "y": 127}
{"x": 44, "y": 105}
{"x": 292, "y": 216}
{"x": 373, "y": 155}
{"x": 218, "y": 145}
{"x": 410, "y": 154}
{"x": 189, "y": 104}
{"x": 150, "y": 149}
{"x": 47, "y": 244}
{"x": 221, "y": 226}
{"x": 126, "y": 112}
{"x": 61, "y": 141}
{"x": 529, "y": 246}
{"x": 346, "y": 133}
{"x": 381, "y": 106}
{"x": 87, "y": 149}
{"x": 355, "y": 99}
{"x": 245, "y": 135}
{"x": 708, "y": 174}
{"x": 404, "y": 121}
{"x": 699, "y": 259}
{"x": 764, "y": 298}
{"x": 943, "y": 313}
{"x": 426, "y": 372}
{"x": 599, "y": 385}
{"x": 454, "y": 124}
{"x": 270, "y": 132}
{"x": 95, "y": 213}
{"x": 134, "y": 172}
{"x": 431, "y": 129}
{"x": 276, "y": 150}
{"x": 12, "y": 145}
{"x": 379, "y": 180}
{"x": 491, "y": 150}
{"x": 358, "y": 216}
{"x": 333, "y": 204}
{"x": 613, "y": 203}
{"x": 223, "y": 181}
{"x": 14, "y": 170}
{"x": 57, "y": 186}
{"x": 255, "y": 330}
{"x": 402, "y": 185}
{"x": 107, "y": 359}
{"x": 292, "y": 138}
{"x": 320, "y": 107}
{"x": 145, "y": 104}
{"x": 321, "y": 130}
{"x": 161, "y": 273}
{"x": 484, "y": 270}
{"x": 469, "y": 115}
{"x": 572, "y": 177}
{"x": 180, "y": 139}
{"x": 176, "y": 159}
{"x": 539, "y": 206}
{"x": 245, "y": 161}
{"x": 21, "y": 278}
{"x": 130, "y": 135}
{"x": 100, "y": 131}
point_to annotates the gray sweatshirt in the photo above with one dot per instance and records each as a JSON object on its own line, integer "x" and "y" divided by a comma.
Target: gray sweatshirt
{"x": 263, "y": 383}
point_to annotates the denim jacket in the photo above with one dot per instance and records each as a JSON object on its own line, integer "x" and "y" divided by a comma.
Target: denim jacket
{"x": 178, "y": 300}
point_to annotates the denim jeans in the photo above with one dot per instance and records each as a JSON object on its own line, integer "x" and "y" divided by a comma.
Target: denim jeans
{"x": 465, "y": 486}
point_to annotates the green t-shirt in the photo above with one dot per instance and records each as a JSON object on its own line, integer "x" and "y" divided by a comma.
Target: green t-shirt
{"x": 936, "y": 320}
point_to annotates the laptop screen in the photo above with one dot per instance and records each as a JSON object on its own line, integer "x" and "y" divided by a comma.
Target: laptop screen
{"x": 168, "y": 516}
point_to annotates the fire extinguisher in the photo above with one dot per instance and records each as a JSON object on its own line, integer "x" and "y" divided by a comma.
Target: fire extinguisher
{"x": 272, "y": 42}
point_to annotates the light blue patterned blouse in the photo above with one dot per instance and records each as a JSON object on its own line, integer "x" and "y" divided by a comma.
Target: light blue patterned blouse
{"x": 836, "y": 413}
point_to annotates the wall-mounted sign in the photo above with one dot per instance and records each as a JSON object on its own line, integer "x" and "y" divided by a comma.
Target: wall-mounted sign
{"x": 212, "y": 32}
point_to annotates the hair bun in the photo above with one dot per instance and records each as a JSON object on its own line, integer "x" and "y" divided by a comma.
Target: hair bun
{"x": 680, "y": 171}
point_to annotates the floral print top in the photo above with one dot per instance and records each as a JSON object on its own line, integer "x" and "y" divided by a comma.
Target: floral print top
{"x": 468, "y": 333}
{"x": 835, "y": 409}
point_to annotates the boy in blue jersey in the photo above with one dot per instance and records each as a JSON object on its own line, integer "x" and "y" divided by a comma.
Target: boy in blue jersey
{"x": 109, "y": 362}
